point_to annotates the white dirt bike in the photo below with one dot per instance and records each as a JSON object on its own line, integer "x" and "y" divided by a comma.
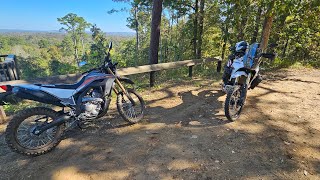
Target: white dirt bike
{"x": 244, "y": 75}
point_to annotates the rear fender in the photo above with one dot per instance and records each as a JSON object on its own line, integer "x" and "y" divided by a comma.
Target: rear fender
{"x": 8, "y": 97}
{"x": 36, "y": 95}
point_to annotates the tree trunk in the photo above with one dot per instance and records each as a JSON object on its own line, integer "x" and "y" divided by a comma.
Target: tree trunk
{"x": 155, "y": 36}
{"x": 137, "y": 34}
{"x": 82, "y": 43}
{"x": 242, "y": 28}
{"x": 76, "y": 57}
{"x": 285, "y": 48}
{"x": 169, "y": 53}
{"x": 201, "y": 16}
{"x": 223, "y": 49}
{"x": 266, "y": 32}
{"x": 136, "y": 28}
{"x": 195, "y": 29}
{"x": 219, "y": 65}
{"x": 225, "y": 38}
{"x": 256, "y": 28}
{"x": 267, "y": 27}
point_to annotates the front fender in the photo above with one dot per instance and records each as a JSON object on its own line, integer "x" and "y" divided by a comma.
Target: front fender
{"x": 238, "y": 74}
{"x": 126, "y": 80}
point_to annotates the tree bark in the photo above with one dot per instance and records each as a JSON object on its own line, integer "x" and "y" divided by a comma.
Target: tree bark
{"x": 267, "y": 27}
{"x": 266, "y": 32}
{"x": 195, "y": 29}
{"x": 155, "y": 36}
{"x": 256, "y": 28}
{"x": 137, "y": 34}
{"x": 242, "y": 28}
{"x": 82, "y": 43}
{"x": 225, "y": 38}
{"x": 201, "y": 17}
{"x": 136, "y": 28}
{"x": 76, "y": 57}
{"x": 285, "y": 48}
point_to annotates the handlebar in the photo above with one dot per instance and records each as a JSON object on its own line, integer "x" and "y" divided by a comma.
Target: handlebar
{"x": 270, "y": 56}
{"x": 93, "y": 69}
{"x": 107, "y": 63}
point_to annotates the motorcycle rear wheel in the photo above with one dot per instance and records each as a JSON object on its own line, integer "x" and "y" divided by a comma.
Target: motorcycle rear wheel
{"x": 20, "y": 137}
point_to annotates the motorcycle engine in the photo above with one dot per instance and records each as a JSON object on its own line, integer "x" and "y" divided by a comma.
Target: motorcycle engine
{"x": 91, "y": 106}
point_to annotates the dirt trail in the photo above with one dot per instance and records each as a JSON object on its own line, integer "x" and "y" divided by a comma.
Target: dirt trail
{"x": 186, "y": 136}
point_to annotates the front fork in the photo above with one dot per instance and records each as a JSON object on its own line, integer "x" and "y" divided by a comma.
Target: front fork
{"x": 122, "y": 88}
{"x": 244, "y": 88}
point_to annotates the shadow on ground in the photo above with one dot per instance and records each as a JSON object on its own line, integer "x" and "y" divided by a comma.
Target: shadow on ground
{"x": 185, "y": 136}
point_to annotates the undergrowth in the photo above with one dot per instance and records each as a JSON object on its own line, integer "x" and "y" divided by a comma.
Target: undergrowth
{"x": 142, "y": 83}
{"x": 207, "y": 71}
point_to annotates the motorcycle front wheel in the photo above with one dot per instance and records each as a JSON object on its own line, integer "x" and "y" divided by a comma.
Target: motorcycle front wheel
{"x": 128, "y": 111}
{"x": 20, "y": 133}
{"x": 233, "y": 104}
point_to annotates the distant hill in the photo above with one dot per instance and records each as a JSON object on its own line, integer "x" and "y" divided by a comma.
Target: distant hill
{"x": 5, "y": 31}
{"x": 21, "y": 31}
{"x": 129, "y": 34}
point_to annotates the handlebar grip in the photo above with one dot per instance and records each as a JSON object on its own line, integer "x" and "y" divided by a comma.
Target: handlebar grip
{"x": 268, "y": 55}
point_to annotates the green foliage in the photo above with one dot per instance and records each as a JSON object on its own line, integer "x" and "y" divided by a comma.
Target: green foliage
{"x": 44, "y": 43}
{"x": 75, "y": 26}
{"x": 57, "y": 68}
{"x": 295, "y": 28}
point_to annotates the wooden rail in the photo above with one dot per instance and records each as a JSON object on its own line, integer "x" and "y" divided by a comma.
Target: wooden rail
{"x": 163, "y": 66}
{"x": 71, "y": 78}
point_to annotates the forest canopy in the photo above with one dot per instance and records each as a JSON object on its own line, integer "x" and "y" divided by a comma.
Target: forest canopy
{"x": 189, "y": 29}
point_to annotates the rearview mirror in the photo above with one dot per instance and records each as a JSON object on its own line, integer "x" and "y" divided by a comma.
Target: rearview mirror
{"x": 232, "y": 48}
{"x": 82, "y": 63}
{"x": 270, "y": 56}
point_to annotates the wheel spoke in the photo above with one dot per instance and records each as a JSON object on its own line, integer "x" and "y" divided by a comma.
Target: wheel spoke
{"x": 42, "y": 142}
{"x": 234, "y": 107}
{"x": 134, "y": 113}
{"x": 23, "y": 136}
{"x": 29, "y": 140}
{"x": 128, "y": 111}
{"x": 26, "y": 140}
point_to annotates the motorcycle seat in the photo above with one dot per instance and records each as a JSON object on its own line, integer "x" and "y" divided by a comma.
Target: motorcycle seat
{"x": 63, "y": 86}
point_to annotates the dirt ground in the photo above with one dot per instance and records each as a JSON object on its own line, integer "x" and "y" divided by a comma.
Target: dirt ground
{"x": 186, "y": 136}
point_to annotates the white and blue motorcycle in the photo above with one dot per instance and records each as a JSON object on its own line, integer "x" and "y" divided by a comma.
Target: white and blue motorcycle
{"x": 242, "y": 73}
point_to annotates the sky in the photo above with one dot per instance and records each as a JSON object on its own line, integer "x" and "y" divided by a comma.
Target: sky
{"x": 42, "y": 14}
